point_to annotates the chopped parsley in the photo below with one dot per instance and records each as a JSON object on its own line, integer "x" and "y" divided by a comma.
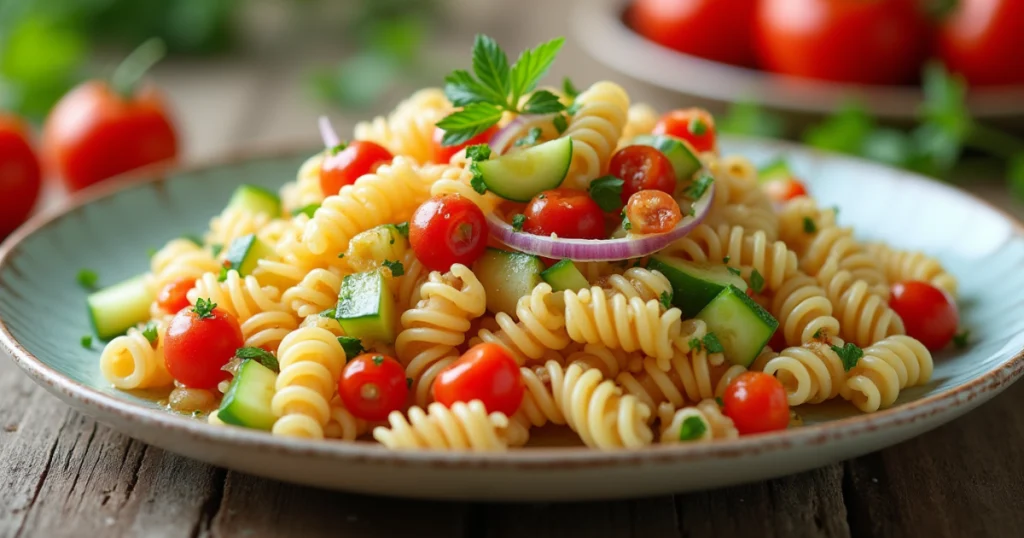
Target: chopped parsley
{"x": 712, "y": 344}
{"x": 478, "y": 152}
{"x": 697, "y": 126}
{"x": 817, "y": 334}
{"x": 626, "y": 225}
{"x": 756, "y": 281}
{"x": 695, "y": 344}
{"x": 337, "y": 149}
{"x": 809, "y": 226}
{"x": 408, "y": 383}
{"x": 700, "y": 186}
{"x": 87, "y": 278}
{"x": 223, "y": 275}
{"x": 86, "y": 341}
{"x": 850, "y": 354}
{"x": 378, "y": 360}
{"x": 961, "y": 339}
{"x": 342, "y": 255}
{"x": 665, "y": 298}
{"x": 693, "y": 428}
{"x": 308, "y": 211}
{"x": 530, "y": 139}
{"x": 725, "y": 259}
{"x": 260, "y": 355}
{"x": 517, "y": 222}
{"x": 607, "y": 192}
{"x": 568, "y": 88}
{"x": 560, "y": 123}
{"x": 353, "y": 346}
{"x": 204, "y": 308}
{"x": 719, "y": 401}
{"x": 396, "y": 267}
{"x": 151, "y": 333}
{"x": 734, "y": 271}
{"x": 478, "y": 180}
{"x": 403, "y": 228}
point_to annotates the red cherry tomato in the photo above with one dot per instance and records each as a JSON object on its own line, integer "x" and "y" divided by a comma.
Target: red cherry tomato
{"x": 196, "y": 346}
{"x": 756, "y": 403}
{"x": 694, "y": 125}
{"x": 714, "y": 29}
{"x": 642, "y": 168}
{"x": 373, "y": 385}
{"x": 172, "y": 297}
{"x": 443, "y": 154}
{"x": 446, "y": 230}
{"x": 652, "y": 212}
{"x": 928, "y": 313}
{"x": 984, "y": 40}
{"x": 93, "y": 133}
{"x": 346, "y": 166}
{"x": 568, "y": 213}
{"x": 782, "y": 190}
{"x": 20, "y": 175}
{"x": 486, "y": 372}
{"x": 857, "y": 41}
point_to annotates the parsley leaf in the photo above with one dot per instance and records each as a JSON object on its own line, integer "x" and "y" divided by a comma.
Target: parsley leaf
{"x": 719, "y": 401}
{"x": 817, "y": 334}
{"x": 560, "y": 123}
{"x": 462, "y": 89}
{"x": 462, "y": 125}
{"x": 517, "y": 222}
{"x": 756, "y": 281}
{"x": 725, "y": 259}
{"x": 223, "y": 275}
{"x": 353, "y": 346}
{"x": 695, "y": 344}
{"x": 849, "y": 354}
{"x": 308, "y": 210}
{"x": 809, "y": 226}
{"x": 150, "y": 332}
{"x": 961, "y": 339}
{"x": 626, "y": 225}
{"x": 478, "y": 180}
{"x": 531, "y": 137}
{"x": 204, "y": 308}
{"x": 87, "y": 278}
{"x": 396, "y": 267}
{"x": 478, "y": 152}
{"x": 532, "y": 65}
{"x": 697, "y": 126}
{"x": 378, "y": 360}
{"x": 403, "y": 228}
{"x": 712, "y": 344}
{"x": 734, "y": 271}
{"x": 340, "y": 147}
{"x": 569, "y": 88}
{"x": 700, "y": 186}
{"x": 543, "y": 102}
{"x": 260, "y": 355}
{"x": 693, "y": 428}
{"x": 86, "y": 341}
{"x": 342, "y": 255}
{"x": 607, "y": 192}
{"x": 666, "y": 299}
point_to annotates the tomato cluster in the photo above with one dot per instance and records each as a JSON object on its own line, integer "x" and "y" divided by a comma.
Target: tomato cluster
{"x": 853, "y": 41}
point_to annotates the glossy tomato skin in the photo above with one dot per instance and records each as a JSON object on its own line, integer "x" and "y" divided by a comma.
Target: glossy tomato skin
{"x": 783, "y": 190}
{"x": 196, "y": 348}
{"x": 446, "y": 230}
{"x": 93, "y": 133}
{"x": 642, "y": 168}
{"x": 486, "y": 372}
{"x": 694, "y": 125}
{"x": 984, "y": 41}
{"x": 854, "y": 41}
{"x": 756, "y": 403}
{"x": 20, "y": 174}
{"x": 718, "y": 30}
{"x": 173, "y": 296}
{"x": 359, "y": 158}
{"x": 652, "y": 212}
{"x": 568, "y": 213}
{"x": 928, "y": 313}
{"x": 372, "y": 386}
{"x": 443, "y": 154}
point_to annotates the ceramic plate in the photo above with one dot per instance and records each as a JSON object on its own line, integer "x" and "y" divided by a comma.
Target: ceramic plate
{"x": 600, "y": 29}
{"x": 43, "y": 318}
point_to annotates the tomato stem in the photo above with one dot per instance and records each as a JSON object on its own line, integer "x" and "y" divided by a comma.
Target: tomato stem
{"x": 129, "y": 73}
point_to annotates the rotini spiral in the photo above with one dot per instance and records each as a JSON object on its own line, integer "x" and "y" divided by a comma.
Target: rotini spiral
{"x": 595, "y": 130}
{"x": 886, "y": 368}
{"x": 464, "y": 426}
{"x": 540, "y": 330}
{"x": 744, "y": 250}
{"x": 716, "y": 424}
{"x": 811, "y": 373}
{"x": 692, "y": 376}
{"x": 305, "y": 189}
{"x": 406, "y": 288}
{"x": 639, "y": 282}
{"x": 264, "y": 319}
{"x": 292, "y": 259}
{"x": 132, "y": 362}
{"x": 803, "y": 310}
{"x": 640, "y": 120}
{"x": 864, "y": 317}
{"x": 455, "y": 179}
{"x": 311, "y": 360}
{"x": 901, "y": 265}
{"x": 180, "y": 259}
{"x": 232, "y": 224}
{"x": 317, "y": 292}
{"x": 343, "y": 424}
{"x": 409, "y": 129}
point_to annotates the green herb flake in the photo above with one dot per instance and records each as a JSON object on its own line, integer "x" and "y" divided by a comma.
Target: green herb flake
{"x": 517, "y": 222}
{"x": 223, "y": 275}
{"x": 403, "y": 228}
{"x": 342, "y": 255}
{"x": 477, "y": 182}
{"x": 378, "y": 360}
{"x": 334, "y": 150}
{"x": 530, "y": 139}
{"x": 693, "y": 428}
{"x": 626, "y": 225}
{"x": 87, "y": 278}
{"x": 809, "y": 226}
{"x": 151, "y": 334}
{"x": 665, "y": 298}
{"x": 204, "y": 308}
{"x": 719, "y": 401}
{"x": 700, "y": 186}
{"x": 408, "y": 383}
{"x": 86, "y": 341}
{"x": 260, "y": 355}
{"x": 734, "y": 271}
{"x": 817, "y": 334}
{"x": 726, "y": 259}
{"x": 849, "y": 354}
{"x": 756, "y": 281}
{"x": 607, "y": 192}
{"x": 697, "y": 126}
{"x": 561, "y": 124}
{"x": 961, "y": 339}
{"x": 479, "y": 152}
{"x": 151, "y": 252}
{"x": 695, "y": 344}
{"x": 353, "y": 346}
{"x": 396, "y": 267}
{"x": 308, "y": 210}
{"x": 568, "y": 88}
{"x": 712, "y": 344}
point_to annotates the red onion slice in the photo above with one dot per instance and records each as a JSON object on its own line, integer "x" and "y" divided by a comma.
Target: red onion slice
{"x": 506, "y": 137}
{"x": 327, "y": 133}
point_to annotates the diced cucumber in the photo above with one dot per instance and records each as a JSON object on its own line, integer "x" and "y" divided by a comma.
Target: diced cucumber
{"x": 693, "y": 285}
{"x": 679, "y": 152}
{"x": 777, "y": 169}
{"x": 308, "y": 210}
{"x": 366, "y": 308}
{"x": 521, "y": 175}
{"x": 255, "y": 199}
{"x": 564, "y": 276}
{"x": 247, "y": 401}
{"x": 245, "y": 251}
{"x": 507, "y": 276}
{"x": 741, "y": 325}
{"x": 120, "y": 307}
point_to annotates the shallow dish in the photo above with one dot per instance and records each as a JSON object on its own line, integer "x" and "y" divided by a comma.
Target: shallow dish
{"x": 42, "y": 318}
{"x": 600, "y": 29}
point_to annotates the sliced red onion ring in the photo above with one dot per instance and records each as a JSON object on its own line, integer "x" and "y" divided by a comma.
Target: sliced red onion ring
{"x": 597, "y": 250}
{"x": 327, "y": 133}
{"x": 516, "y": 129}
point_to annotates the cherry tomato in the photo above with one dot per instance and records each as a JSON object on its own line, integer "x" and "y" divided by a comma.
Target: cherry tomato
{"x": 642, "y": 168}
{"x": 928, "y": 313}
{"x": 443, "y": 154}
{"x": 172, "y": 297}
{"x": 446, "y": 230}
{"x": 858, "y": 41}
{"x": 782, "y": 190}
{"x": 93, "y": 133}
{"x": 373, "y": 385}
{"x": 485, "y": 372}
{"x": 984, "y": 40}
{"x": 20, "y": 175}
{"x": 718, "y": 30}
{"x": 344, "y": 167}
{"x": 197, "y": 346}
{"x": 694, "y": 125}
{"x": 568, "y": 213}
{"x": 652, "y": 212}
{"x": 756, "y": 402}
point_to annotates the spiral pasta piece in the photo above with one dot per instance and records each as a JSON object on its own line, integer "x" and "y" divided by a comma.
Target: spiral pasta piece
{"x": 803, "y": 310}
{"x": 132, "y": 362}
{"x": 811, "y": 373}
{"x": 305, "y": 189}
{"x": 640, "y": 120}
{"x": 463, "y": 426}
{"x": 595, "y": 130}
{"x": 343, "y": 424}
{"x": 901, "y": 265}
{"x": 456, "y": 178}
{"x": 692, "y": 376}
{"x": 540, "y": 329}
{"x": 264, "y": 320}
{"x": 716, "y": 424}
{"x": 737, "y": 247}
{"x": 406, "y": 288}
{"x": 317, "y": 292}
{"x": 311, "y": 360}
{"x": 886, "y": 368}
{"x": 639, "y": 282}
{"x": 864, "y": 317}
{"x": 409, "y": 130}
{"x": 180, "y": 259}
{"x": 292, "y": 260}
{"x": 232, "y": 224}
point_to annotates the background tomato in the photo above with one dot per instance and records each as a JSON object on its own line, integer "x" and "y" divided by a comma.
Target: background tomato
{"x": 718, "y": 30}
{"x": 20, "y": 175}
{"x": 984, "y": 40}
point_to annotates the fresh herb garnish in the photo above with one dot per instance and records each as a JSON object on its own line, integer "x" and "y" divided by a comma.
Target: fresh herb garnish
{"x": 530, "y": 139}
{"x": 665, "y": 298}
{"x": 353, "y": 346}
{"x": 560, "y": 123}
{"x": 734, "y": 271}
{"x": 573, "y": 108}
{"x": 719, "y": 401}
{"x": 607, "y": 192}
{"x": 700, "y": 186}
{"x": 726, "y": 259}
{"x": 150, "y": 332}
{"x": 849, "y": 354}
{"x": 408, "y": 383}
{"x": 378, "y": 360}
{"x": 478, "y": 152}
{"x": 87, "y": 278}
{"x": 712, "y": 344}
{"x": 396, "y": 267}
{"x": 86, "y": 341}
{"x": 626, "y": 225}
{"x": 697, "y": 126}
{"x": 756, "y": 281}
{"x": 204, "y": 308}
{"x": 342, "y": 255}
{"x": 334, "y": 150}
{"x": 517, "y": 222}
{"x": 403, "y": 228}
{"x": 223, "y": 275}
{"x": 817, "y": 334}
{"x": 260, "y": 355}
{"x": 308, "y": 210}
{"x": 693, "y": 428}
{"x": 569, "y": 88}
{"x": 809, "y": 226}
{"x": 695, "y": 344}
{"x": 215, "y": 249}
{"x": 961, "y": 338}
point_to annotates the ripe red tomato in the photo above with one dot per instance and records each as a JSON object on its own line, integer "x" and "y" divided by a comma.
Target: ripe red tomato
{"x": 984, "y": 40}
{"x": 20, "y": 175}
{"x": 446, "y": 230}
{"x": 858, "y": 41}
{"x": 782, "y": 190}
{"x": 928, "y": 313}
{"x": 198, "y": 343}
{"x": 443, "y": 154}
{"x": 718, "y": 30}
{"x": 568, "y": 213}
{"x": 652, "y": 212}
{"x": 756, "y": 402}
{"x": 694, "y": 125}
{"x": 93, "y": 133}
{"x": 344, "y": 167}
{"x": 172, "y": 297}
{"x": 373, "y": 385}
{"x": 642, "y": 168}
{"x": 486, "y": 372}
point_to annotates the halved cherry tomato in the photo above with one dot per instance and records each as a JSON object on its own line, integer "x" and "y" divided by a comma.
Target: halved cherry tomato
{"x": 928, "y": 313}
{"x": 984, "y": 41}
{"x": 173, "y": 296}
{"x": 344, "y": 167}
{"x": 642, "y": 168}
{"x": 198, "y": 343}
{"x": 782, "y": 190}
{"x": 443, "y": 154}
{"x": 568, "y": 213}
{"x": 718, "y": 30}
{"x": 756, "y": 402}
{"x": 446, "y": 230}
{"x": 652, "y": 212}
{"x": 373, "y": 385}
{"x": 694, "y": 125}
{"x": 486, "y": 372}
{"x": 20, "y": 175}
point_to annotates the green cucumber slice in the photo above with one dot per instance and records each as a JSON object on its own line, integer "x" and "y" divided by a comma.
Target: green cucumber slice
{"x": 564, "y": 276}
{"x": 245, "y": 251}
{"x": 740, "y": 324}
{"x": 120, "y": 307}
{"x": 521, "y": 175}
{"x": 366, "y": 308}
{"x": 775, "y": 170}
{"x": 255, "y": 199}
{"x": 679, "y": 152}
{"x": 247, "y": 401}
{"x": 693, "y": 285}
{"x": 507, "y": 276}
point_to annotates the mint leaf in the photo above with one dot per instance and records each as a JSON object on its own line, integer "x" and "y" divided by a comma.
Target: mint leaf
{"x": 607, "y": 192}
{"x": 490, "y": 64}
{"x": 530, "y": 139}
{"x": 849, "y": 355}
{"x": 353, "y": 346}
{"x": 569, "y": 88}
{"x": 532, "y": 65}
{"x": 464, "y": 124}
{"x": 462, "y": 89}
{"x": 259, "y": 355}
{"x": 517, "y": 222}
{"x": 543, "y": 102}
{"x": 693, "y": 428}
{"x": 712, "y": 344}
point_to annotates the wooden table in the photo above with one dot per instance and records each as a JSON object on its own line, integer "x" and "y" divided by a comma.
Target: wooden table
{"x": 63, "y": 474}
